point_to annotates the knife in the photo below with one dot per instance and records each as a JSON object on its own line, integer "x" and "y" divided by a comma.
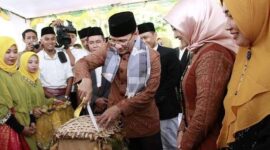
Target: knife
{"x": 92, "y": 117}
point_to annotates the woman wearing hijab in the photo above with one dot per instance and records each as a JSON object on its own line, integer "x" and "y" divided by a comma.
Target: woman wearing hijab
{"x": 48, "y": 120}
{"x": 29, "y": 75}
{"x": 246, "y": 124}
{"x": 16, "y": 125}
{"x": 200, "y": 24}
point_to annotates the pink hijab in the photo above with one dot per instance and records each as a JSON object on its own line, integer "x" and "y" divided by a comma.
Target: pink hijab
{"x": 201, "y": 22}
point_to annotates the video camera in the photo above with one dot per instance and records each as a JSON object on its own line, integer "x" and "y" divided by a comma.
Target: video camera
{"x": 62, "y": 34}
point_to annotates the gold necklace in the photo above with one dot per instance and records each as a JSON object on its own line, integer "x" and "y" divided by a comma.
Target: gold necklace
{"x": 248, "y": 57}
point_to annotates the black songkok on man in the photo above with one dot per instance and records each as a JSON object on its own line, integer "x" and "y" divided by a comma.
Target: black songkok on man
{"x": 47, "y": 30}
{"x": 146, "y": 27}
{"x": 84, "y": 32}
{"x": 121, "y": 24}
{"x": 95, "y": 31}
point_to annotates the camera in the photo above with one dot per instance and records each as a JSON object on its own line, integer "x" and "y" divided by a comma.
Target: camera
{"x": 62, "y": 34}
{"x": 35, "y": 45}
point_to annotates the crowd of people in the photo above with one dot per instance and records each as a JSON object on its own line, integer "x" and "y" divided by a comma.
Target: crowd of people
{"x": 210, "y": 93}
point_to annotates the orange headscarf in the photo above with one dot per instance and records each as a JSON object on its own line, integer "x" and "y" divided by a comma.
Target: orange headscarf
{"x": 252, "y": 103}
{"x": 5, "y": 43}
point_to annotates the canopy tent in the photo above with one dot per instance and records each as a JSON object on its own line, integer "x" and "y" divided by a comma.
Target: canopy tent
{"x": 38, "y": 8}
{"x": 18, "y": 15}
{"x": 13, "y": 25}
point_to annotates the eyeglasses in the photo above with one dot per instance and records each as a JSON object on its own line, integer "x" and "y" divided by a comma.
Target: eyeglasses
{"x": 122, "y": 42}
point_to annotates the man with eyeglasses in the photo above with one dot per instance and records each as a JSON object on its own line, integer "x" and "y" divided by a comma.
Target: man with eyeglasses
{"x": 134, "y": 72}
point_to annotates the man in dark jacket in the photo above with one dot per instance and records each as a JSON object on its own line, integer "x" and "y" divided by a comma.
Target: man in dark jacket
{"x": 166, "y": 96}
{"x": 101, "y": 86}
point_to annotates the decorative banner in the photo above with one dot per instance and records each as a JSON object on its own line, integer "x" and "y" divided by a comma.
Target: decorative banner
{"x": 4, "y": 14}
{"x": 34, "y": 22}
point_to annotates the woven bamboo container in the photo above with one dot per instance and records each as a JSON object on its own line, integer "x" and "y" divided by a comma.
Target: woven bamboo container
{"x": 80, "y": 134}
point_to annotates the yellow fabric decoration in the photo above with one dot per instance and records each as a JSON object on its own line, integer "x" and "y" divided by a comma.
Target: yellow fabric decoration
{"x": 4, "y": 14}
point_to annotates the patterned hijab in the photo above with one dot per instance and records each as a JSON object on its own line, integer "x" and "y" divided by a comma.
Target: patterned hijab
{"x": 24, "y": 66}
{"x": 251, "y": 104}
{"x": 5, "y": 43}
{"x": 201, "y": 22}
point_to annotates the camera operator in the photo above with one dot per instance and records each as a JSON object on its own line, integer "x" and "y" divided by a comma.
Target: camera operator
{"x": 67, "y": 37}
{"x": 31, "y": 41}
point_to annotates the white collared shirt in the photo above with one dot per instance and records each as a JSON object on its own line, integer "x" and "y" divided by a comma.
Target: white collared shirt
{"x": 155, "y": 48}
{"x": 78, "y": 53}
{"x": 53, "y": 73}
{"x": 181, "y": 53}
{"x": 98, "y": 72}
